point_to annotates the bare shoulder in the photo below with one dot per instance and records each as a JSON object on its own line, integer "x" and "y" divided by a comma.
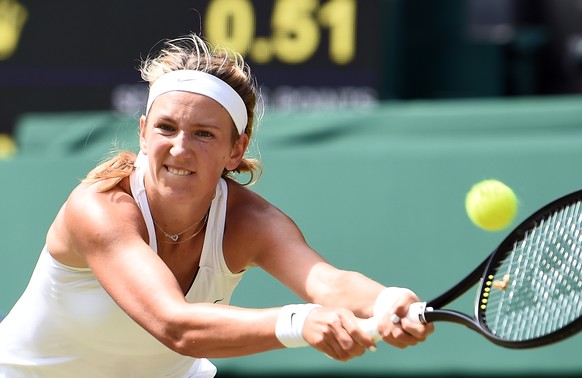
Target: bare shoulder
{"x": 250, "y": 208}
{"x": 90, "y": 219}
{"x": 255, "y": 223}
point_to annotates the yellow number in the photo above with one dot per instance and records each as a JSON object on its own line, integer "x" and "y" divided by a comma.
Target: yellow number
{"x": 296, "y": 29}
{"x": 340, "y": 17}
{"x": 296, "y": 33}
{"x": 231, "y": 23}
{"x": 13, "y": 15}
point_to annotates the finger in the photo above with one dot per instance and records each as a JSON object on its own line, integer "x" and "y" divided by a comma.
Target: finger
{"x": 399, "y": 338}
{"x": 335, "y": 340}
{"x": 335, "y": 350}
{"x": 348, "y": 341}
{"x": 402, "y": 305}
{"x": 418, "y": 330}
{"x": 401, "y": 332}
{"x": 352, "y": 338}
{"x": 359, "y": 334}
{"x": 330, "y": 336}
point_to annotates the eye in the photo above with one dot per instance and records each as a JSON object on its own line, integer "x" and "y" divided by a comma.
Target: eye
{"x": 165, "y": 127}
{"x": 204, "y": 134}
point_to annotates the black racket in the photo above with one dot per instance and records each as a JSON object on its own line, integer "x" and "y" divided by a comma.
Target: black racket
{"x": 530, "y": 289}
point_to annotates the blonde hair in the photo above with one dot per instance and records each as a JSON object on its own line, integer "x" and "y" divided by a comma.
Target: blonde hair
{"x": 191, "y": 53}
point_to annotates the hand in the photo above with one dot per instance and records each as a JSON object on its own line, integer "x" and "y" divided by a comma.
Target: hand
{"x": 405, "y": 332}
{"x": 336, "y": 333}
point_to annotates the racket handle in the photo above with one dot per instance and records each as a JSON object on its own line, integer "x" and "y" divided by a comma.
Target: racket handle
{"x": 415, "y": 313}
{"x": 370, "y": 326}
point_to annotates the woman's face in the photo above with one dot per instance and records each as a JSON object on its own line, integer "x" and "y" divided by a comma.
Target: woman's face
{"x": 188, "y": 142}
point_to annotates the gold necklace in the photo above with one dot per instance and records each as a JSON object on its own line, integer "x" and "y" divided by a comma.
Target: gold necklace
{"x": 175, "y": 237}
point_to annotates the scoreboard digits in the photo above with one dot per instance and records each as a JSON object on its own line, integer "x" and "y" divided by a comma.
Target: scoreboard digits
{"x": 294, "y": 29}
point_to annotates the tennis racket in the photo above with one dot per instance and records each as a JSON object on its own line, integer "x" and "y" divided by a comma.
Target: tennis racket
{"x": 529, "y": 288}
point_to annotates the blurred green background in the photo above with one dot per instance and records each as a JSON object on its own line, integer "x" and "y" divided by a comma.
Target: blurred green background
{"x": 371, "y": 155}
{"x": 380, "y": 191}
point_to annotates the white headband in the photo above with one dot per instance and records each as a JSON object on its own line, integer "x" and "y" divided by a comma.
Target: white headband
{"x": 204, "y": 84}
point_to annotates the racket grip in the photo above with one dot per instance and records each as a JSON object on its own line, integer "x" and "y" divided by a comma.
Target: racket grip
{"x": 370, "y": 326}
{"x": 415, "y": 313}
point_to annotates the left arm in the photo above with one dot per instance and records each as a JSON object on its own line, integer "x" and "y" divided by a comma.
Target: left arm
{"x": 315, "y": 280}
{"x": 284, "y": 254}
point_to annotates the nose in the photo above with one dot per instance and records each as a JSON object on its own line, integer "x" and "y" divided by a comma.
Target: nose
{"x": 181, "y": 146}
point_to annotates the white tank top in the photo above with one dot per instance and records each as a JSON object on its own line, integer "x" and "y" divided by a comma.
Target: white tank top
{"x": 66, "y": 325}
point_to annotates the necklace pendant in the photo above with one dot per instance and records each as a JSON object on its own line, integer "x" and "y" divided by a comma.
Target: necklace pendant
{"x": 174, "y": 237}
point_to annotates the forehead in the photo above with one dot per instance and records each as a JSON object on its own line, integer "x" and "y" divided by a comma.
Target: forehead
{"x": 180, "y": 104}
{"x": 180, "y": 99}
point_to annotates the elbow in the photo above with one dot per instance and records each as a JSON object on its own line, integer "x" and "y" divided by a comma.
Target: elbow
{"x": 187, "y": 343}
{"x": 183, "y": 347}
{"x": 177, "y": 342}
{"x": 178, "y": 337}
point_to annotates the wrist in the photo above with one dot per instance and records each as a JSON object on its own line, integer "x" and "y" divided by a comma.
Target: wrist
{"x": 387, "y": 298}
{"x": 290, "y": 322}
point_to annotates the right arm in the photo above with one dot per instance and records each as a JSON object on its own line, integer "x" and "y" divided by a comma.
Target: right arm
{"x": 106, "y": 231}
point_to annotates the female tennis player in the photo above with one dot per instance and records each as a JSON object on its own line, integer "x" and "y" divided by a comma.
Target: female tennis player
{"x": 141, "y": 261}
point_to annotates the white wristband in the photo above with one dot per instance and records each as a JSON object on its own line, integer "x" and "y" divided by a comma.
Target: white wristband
{"x": 387, "y": 299}
{"x": 289, "y": 328}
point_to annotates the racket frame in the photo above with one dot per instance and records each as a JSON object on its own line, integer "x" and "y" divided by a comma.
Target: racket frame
{"x": 435, "y": 312}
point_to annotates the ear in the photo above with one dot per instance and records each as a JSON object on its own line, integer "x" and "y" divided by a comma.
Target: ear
{"x": 142, "y": 133}
{"x": 238, "y": 152}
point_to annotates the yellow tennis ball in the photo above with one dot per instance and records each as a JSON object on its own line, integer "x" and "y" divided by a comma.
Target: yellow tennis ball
{"x": 491, "y": 205}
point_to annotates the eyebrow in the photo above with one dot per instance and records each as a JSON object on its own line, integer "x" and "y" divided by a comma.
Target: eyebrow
{"x": 168, "y": 118}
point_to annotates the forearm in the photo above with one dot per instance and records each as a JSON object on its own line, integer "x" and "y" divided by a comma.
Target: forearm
{"x": 346, "y": 289}
{"x": 215, "y": 331}
{"x": 230, "y": 332}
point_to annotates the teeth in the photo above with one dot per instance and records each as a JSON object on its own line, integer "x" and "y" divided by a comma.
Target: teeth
{"x": 179, "y": 172}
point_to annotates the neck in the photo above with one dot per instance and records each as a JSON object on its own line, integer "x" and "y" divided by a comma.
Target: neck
{"x": 176, "y": 215}
{"x": 185, "y": 235}
{"x": 176, "y": 222}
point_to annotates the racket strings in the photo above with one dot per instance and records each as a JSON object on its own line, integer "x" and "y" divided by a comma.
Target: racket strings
{"x": 544, "y": 283}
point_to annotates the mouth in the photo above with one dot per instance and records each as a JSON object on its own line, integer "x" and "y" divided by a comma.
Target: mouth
{"x": 178, "y": 172}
